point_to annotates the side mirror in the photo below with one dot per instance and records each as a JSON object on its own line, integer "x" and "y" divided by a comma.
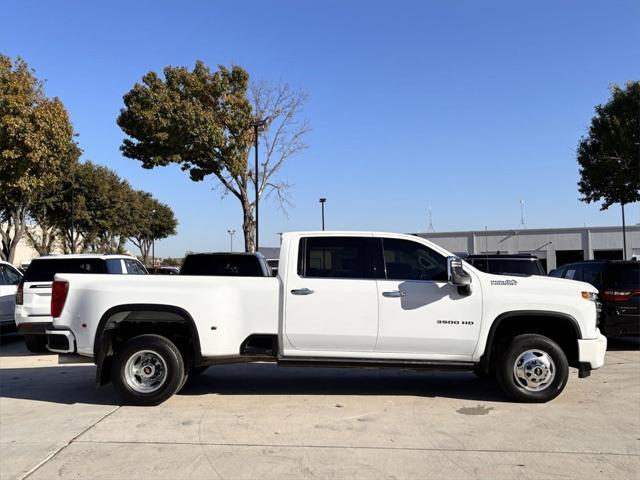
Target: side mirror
{"x": 456, "y": 274}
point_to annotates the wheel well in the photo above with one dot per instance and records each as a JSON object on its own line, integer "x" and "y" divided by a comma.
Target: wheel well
{"x": 122, "y": 323}
{"x": 561, "y": 329}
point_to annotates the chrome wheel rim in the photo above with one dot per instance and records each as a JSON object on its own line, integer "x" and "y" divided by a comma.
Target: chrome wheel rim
{"x": 145, "y": 371}
{"x": 534, "y": 370}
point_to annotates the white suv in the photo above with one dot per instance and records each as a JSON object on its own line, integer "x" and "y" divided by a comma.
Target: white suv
{"x": 9, "y": 279}
{"x": 33, "y": 298}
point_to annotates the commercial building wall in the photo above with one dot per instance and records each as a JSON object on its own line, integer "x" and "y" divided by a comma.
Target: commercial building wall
{"x": 555, "y": 246}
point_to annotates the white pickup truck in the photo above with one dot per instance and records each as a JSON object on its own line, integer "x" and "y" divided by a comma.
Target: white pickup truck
{"x": 340, "y": 299}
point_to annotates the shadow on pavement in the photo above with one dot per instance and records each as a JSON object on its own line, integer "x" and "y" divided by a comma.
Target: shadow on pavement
{"x": 269, "y": 379}
{"x": 12, "y": 345}
{"x": 61, "y": 384}
{"x": 76, "y": 384}
{"x": 620, "y": 344}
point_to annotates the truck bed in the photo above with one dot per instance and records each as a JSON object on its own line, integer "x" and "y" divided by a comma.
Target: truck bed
{"x": 224, "y": 309}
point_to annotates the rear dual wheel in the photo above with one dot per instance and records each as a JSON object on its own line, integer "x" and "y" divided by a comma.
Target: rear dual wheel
{"x": 147, "y": 370}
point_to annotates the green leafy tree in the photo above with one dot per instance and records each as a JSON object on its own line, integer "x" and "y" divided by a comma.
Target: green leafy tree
{"x": 36, "y": 148}
{"x": 151, "y": 220}
{"x": 609, "y": 156}
{"x": 202, "y": 120}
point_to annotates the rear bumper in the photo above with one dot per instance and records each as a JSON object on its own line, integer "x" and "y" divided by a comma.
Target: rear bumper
{"x": 591, "y": 351}
{"x": 61, "y": 341}
{"x": 34, "y": 328}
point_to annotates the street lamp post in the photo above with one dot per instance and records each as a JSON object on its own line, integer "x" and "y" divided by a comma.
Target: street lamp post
{"x": 153, "y": 238}
{"x": 231, "y": 233}
{"x": 322, "y": 202}
{"x": 256, "y": 124}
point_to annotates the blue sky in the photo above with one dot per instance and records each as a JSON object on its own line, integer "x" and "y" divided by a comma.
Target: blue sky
{"x": 466, "y": 106}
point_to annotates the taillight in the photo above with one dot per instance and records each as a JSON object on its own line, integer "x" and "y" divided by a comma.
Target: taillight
{"x": 20, "y": 293}
{"x": 618, "y": 295}
{"x": 59, "y": 291}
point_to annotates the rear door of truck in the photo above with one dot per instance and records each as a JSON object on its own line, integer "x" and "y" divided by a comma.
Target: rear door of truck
{"x": 331, "y": 296}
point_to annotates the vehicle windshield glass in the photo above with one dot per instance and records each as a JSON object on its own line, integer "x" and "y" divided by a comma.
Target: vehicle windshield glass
{"x": 45, "y": 270}
{"x": 507, "y": 266}
{"x": 222, "y": 265}
{"x": 622, "y": 275}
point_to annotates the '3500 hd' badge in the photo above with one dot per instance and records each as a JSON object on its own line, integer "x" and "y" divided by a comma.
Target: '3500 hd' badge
{"x": 506, "y": 283}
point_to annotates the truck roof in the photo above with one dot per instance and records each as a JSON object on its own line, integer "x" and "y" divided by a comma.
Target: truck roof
{"x": 102, "y": 256}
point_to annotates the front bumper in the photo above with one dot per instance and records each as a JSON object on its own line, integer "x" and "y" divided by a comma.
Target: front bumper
{"x": 591, "y": 351}
{"x": 61, "y": 341}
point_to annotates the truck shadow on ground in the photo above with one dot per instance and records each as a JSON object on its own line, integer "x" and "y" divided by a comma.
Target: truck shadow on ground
{"x": 75, "y": 384}
{"x": 269, "y": 379}
{"x": 71, "y": 384}
{"x": 619, "y": 344}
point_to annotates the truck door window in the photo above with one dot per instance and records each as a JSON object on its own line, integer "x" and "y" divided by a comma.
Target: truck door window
{"x": 406, "y": 260}
{"x": 335, "y": 257}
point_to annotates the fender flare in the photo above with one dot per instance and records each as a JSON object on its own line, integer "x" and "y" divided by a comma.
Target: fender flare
{"x": 103, "y": 362}
{"x": 485, "y": 360}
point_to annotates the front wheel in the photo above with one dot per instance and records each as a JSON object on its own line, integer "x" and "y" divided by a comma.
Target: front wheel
{"x": 147, "y": 370}
{"x": 533, "y": 369}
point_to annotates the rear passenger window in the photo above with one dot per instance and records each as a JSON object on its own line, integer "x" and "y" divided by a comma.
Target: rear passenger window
{"x": 114, "y": 266}
{"x": 406, "y": 260}
{"x": 335, "y": 257}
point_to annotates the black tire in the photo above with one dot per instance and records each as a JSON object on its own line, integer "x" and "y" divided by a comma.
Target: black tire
{"x": 162, "y": 355}
{"x": 544, "y": 349}
{"x": 36, "y": 343}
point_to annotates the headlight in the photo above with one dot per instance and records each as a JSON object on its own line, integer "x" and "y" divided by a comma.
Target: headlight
{"x": 593, "y": 296}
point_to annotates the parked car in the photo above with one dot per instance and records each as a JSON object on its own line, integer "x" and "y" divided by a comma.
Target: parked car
{"x": 163, "y": 270}
{"x": 507, "y": 264}
{"x": 341, "y": 299}
{"x": 9, "y": 279}
{"x": 618, "y": 284}
{"x": 33, "y": 297}
{"x": 226, "y": 265}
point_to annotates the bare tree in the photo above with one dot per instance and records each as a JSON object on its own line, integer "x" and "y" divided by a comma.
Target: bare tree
{"x": 282, "y": 137}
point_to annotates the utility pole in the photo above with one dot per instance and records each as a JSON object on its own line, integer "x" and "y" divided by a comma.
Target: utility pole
{"x": 153, "y": 238}
{"x": 322, "y": 202}
{"x": 231, "y": 233}
{"x": 522, "y": 224}
{"x": 624, "y": 235}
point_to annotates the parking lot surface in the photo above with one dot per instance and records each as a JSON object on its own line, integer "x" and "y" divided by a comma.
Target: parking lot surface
{"x": 262, "y": 421}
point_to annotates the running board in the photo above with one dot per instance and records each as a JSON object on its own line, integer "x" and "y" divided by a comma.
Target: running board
{"x": 332, "y": 362}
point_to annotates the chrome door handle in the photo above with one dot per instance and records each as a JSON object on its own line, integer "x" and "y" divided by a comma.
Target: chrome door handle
{"x": 394, "y": 294}
{"x": 302, "y": 291}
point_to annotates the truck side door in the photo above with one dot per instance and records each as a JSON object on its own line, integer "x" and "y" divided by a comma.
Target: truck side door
{"x": 331, "y": 300}
{"x": 420, "y": 312}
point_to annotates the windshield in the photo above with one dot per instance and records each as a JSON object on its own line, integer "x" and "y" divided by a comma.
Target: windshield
{"x": 45, "y": 270}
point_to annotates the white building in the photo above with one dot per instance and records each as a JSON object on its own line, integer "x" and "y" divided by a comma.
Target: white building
{"x": 553, "y": 246}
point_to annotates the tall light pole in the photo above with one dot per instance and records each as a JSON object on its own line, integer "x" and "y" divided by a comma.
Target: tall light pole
{"x": 322, "y": 202}
{"x": 231, "y": 233}
{"x": 256, "y": 124}
{"x": 153, "y": 238}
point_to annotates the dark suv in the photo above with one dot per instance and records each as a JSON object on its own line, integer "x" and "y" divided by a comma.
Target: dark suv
{"x": 226, "y": 265}
{"x": 515, "y": 264}
{"x": 619, "y": 285}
